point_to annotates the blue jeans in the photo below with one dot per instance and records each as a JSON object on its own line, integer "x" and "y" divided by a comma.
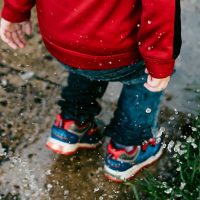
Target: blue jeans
{"x": 135, "y": 118}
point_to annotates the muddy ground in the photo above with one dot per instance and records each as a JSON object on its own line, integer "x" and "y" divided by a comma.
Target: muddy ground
{"x": 30, "y": 83}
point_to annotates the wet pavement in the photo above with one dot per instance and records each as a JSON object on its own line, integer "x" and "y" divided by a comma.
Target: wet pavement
{"x": 30, "y": 83}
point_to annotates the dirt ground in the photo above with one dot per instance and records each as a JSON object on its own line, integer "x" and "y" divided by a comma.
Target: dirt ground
{"x": 30, "y": 84}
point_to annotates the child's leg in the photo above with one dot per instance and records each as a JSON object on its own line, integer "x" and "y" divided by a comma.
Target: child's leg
{"x": 136, "y": 116}
{"x": 75, "y": 127}
{"x": 135, "y": 142}
{"x": 79, "y": 98}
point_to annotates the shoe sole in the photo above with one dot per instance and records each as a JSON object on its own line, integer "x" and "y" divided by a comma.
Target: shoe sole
{"x": 120, "y": 177}
{"x": 66, "y": 148}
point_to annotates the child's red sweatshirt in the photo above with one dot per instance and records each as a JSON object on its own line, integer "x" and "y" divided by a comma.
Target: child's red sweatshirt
{"x": 106, "y": 34}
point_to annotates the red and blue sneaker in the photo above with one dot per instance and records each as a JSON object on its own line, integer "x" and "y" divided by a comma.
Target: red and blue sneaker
{"x": 122, "y": 165}
{"x": 67, "y": 136}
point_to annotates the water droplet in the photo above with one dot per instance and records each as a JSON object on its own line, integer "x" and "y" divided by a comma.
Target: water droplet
{"x": 149, "y": 22}
{"x": 190, "y": 139}
{"x": 48, "y": 172}
{"x": 194, "y": 145}
{"x": 66, "y": 192}
{"x": 168, "y": 191}
{"x": 170, "y": 145}
{"x": 178, "y": 169}
{"x": 148, "y": 110}
{"x": 194, "y": 129}
{"x": 162, "y": 129}
{"x": 182, "y": 185}
{"x": 198, "y": 90}
{"x": 2, "y": 150}
{"x": 49, "y": 187}
{"x": 96, "y": 189}
{"x": 171, "y": 118}
{"x": 4, "y": 82}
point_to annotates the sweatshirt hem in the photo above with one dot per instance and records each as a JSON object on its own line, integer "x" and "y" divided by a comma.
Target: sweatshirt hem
{"x": 91, "y": 62}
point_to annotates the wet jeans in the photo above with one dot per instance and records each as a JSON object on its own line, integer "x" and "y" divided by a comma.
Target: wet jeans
{"x": 135, "y": 118}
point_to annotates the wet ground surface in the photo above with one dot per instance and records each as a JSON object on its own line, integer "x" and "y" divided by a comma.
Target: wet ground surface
{"x": 30, "y": 83}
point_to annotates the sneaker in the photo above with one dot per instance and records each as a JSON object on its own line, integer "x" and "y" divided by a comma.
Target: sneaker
{"x": 67, "y": 136}
{"x": 121, "y": 165}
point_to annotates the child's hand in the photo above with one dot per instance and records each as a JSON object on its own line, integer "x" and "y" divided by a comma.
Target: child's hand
{"x": 13, "y": 33}
{"x": 155, "y": 84}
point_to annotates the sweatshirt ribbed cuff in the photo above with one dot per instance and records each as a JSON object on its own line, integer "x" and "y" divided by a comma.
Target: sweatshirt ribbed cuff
{"x": 14, "y": 16}
{"x": 159, "y": 68}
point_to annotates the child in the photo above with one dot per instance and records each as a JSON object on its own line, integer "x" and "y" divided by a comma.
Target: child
{"x": 134, "y": 42}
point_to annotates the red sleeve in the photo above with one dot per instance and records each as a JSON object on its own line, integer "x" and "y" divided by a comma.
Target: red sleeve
{"x": 159, "y": 37}
{"x": 17, "y": 10}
